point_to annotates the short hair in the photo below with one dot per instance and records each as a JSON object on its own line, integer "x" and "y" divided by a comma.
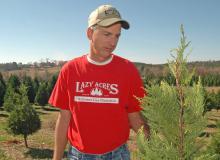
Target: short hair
{"x": 94, "y": 27}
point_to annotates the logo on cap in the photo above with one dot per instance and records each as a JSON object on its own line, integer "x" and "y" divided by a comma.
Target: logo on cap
{"x": 112, "y": 11}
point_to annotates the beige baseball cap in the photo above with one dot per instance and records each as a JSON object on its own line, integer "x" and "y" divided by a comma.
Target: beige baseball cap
{"x": 106, "y": 15}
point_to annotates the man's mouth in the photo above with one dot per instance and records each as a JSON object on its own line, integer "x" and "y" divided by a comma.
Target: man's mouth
{"x": 108, "y": 49}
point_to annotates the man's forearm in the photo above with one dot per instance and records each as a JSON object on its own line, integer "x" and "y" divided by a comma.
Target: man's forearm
{"x": 60, "y": 137}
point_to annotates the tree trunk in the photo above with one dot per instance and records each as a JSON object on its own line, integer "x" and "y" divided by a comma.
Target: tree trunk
{"x": 181, "y": 111}
{"x": 25, "y": 141}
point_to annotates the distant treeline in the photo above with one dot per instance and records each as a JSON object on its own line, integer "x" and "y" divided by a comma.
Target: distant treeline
{"x": 190, "y": 64}
{"x": 38, "y": 90}
{"x": 205, "y": 63}
{"x": 18, "y": 66}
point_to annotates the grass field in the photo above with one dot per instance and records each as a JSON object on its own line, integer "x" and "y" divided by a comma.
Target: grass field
{"x": 41, "y": 142}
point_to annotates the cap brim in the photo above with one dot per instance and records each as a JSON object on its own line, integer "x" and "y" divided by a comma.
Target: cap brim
{"x": 111, "y": 21}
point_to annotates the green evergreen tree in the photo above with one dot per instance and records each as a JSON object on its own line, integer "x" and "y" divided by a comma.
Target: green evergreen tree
{"x": 36, "y": 85}
{"x": 42, "y": 95}
{"x": 218, "y": 100}
{"x": 2, "y": 89}
{"x": 23, "y": 120}
{"x": 175, "y": 114}
{"x": 52, "y": 83}
{"x": 209, "y": 100}
{"x": 170, "y": 79}
{"x": 11, "y": 94}
{"x": 30, "y": 88}
{"x": 10, "y": 99}
{"x": 14, "y": 82}
{"x": 214, "y": 147}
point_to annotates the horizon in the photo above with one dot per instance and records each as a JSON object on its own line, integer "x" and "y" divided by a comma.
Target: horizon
{"x": 35, "y": 30}
{"x": 53, "y": 61}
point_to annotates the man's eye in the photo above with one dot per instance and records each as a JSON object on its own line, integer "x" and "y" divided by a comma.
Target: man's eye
{"x": 118, "y": 36}
{"x": 106, "y": 34}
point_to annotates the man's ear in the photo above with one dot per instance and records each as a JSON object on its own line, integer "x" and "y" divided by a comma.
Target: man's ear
{"x": 89, "y": 33}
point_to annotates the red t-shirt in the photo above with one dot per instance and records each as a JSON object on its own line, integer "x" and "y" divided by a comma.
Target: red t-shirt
{"x": 99, "y": 98}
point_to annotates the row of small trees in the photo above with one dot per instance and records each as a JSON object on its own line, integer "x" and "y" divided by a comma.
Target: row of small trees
{"x": 212, "y": 98}
{"x": 38, "y": 91}
{"x": 206, "y": 80}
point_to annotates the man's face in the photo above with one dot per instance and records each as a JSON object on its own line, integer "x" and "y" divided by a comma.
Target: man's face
{"x": 104, "y": 40}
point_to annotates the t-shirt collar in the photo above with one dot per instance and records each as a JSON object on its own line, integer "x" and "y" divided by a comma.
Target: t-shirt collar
{"x": 99, "y": 63}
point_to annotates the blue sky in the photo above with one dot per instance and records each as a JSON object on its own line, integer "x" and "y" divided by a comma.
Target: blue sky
{"x": 31, "y": 30}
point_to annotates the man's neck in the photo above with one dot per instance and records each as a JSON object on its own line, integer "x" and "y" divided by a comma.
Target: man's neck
{"x": 99, "y": 61}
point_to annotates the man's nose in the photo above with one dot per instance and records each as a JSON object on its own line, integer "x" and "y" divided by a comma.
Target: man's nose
{"x": 114, "y": 41}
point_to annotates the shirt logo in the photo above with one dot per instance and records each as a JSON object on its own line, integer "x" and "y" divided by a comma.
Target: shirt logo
{"x": 96, "y": 92}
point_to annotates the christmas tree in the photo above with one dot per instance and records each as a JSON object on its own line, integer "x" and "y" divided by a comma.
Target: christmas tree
{"x": 175, "y": 114}
{"x": 23, "y": 119}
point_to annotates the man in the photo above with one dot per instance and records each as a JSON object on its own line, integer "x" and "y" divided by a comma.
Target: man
{"x": 97, "y": 95}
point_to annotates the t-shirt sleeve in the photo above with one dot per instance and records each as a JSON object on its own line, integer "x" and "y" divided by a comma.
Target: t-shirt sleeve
{"x": 59, "y": 96}
{"x": 136, "y": 91}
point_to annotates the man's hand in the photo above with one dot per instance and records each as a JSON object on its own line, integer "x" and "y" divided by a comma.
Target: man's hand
{"x": 136, "y": 122}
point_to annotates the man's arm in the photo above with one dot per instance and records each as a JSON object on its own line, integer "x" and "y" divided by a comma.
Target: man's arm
{"x": 61, "y": 134}
{"x": 136, "y": 122}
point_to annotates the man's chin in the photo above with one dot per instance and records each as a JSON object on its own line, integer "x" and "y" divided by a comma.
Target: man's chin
{"x": 105, "y": 53}
{"x": 105, "y": 56}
